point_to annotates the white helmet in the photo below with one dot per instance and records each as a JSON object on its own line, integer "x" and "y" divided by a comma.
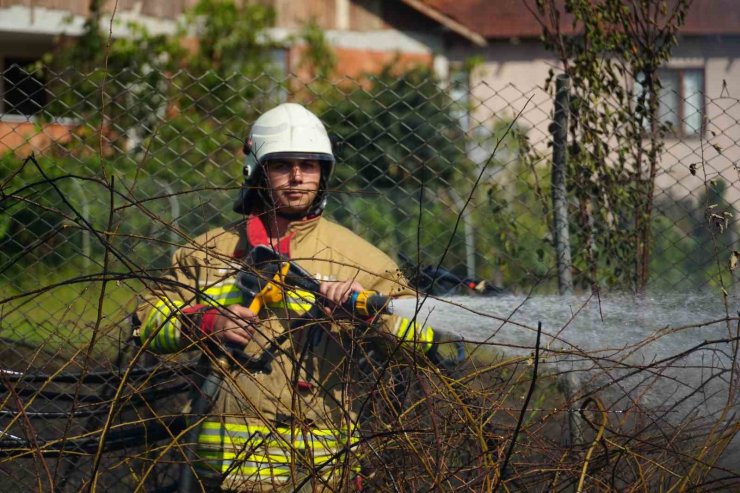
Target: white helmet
{"x": 288, "y": 131}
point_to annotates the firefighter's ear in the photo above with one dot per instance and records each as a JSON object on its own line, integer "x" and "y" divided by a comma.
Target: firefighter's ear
{"x": 247, "y": 148}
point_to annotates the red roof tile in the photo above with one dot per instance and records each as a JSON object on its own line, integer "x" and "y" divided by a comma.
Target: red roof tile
{"x": 516, "y": 18}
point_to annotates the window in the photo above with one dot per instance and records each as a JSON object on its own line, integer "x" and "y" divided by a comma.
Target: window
{"x": 23, "y": 91}
{"x": 681, "y": 100}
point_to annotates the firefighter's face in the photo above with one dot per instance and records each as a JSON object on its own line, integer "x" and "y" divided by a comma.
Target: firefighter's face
{"x": 294, "y": 183}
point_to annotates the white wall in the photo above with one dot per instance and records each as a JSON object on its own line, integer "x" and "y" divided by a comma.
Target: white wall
{"x": 514, "y": 72}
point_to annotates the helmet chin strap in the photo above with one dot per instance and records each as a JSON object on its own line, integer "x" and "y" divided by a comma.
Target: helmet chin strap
{"x": 294, "y": 216}
{"x": 315, "y": 209}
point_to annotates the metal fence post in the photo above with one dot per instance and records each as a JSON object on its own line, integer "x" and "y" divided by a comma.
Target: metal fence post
{"x": 86, "y": 245}
{"x": 561, "y": 235}
{"x": 469, "y": 232}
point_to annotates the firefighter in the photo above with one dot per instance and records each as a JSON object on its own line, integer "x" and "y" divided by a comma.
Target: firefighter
{"x": 294, "y": 427}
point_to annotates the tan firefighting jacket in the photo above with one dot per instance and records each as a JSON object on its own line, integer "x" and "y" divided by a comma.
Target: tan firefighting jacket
{"x": 267, "y": 431}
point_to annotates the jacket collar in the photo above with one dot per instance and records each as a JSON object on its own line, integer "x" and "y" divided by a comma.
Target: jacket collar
{"x": 257, "y": 232}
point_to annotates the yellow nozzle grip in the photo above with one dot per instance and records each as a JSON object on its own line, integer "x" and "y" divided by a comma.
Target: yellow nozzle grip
{"x": 361, "y": 302}
{"x": 272, "y": 292}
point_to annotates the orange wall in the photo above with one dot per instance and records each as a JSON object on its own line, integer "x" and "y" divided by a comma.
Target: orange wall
{"x": 23, "y": 138}
{"x": 353, "y": 63}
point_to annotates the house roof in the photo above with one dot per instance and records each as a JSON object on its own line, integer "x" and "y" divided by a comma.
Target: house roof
{"x": 712, "y": 17}
{"x": 442, "y": 18}
{"x": 495, "y": 19}
{"x": 491, "y": 18}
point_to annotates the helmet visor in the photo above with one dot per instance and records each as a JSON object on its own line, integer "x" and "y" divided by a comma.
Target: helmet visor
{"x": 317, "y": 156}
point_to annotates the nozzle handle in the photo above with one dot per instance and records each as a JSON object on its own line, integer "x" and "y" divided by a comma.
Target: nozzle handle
{"x": 368, "y": 304}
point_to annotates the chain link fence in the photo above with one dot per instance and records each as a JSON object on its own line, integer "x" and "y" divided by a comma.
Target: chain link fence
{"x": 419, "y": 173}
{"x": 105, "y": 174}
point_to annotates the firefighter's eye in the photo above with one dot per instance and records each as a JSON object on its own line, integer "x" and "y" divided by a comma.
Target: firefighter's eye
{"x": 280, "y": 166}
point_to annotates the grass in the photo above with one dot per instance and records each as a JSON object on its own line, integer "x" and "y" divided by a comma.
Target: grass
{"x": 64, "y": 318}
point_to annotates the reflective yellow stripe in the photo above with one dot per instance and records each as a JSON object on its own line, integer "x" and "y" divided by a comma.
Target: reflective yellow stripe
{"x": 215, "y": 432}
{"x": 297, "y": 301}
{"x": 301, "y": 296}
{"x": 410, "y": 333}
{"x": 222, "y": 461}
{"x": 261, "y": 445}
{"x": 228, "y": 293}
{"x": 229, "y": 463}
{"x": 163, "y": 322}
{"x": 223, "y": 295}
{"x": 281, "y": 430}
{"x": 402, "y": 327}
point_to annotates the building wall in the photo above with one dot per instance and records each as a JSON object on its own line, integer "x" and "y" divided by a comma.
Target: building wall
{"x": 25, "y": 21}
{"x": 508, "y": 84}
{"x": 522, "y": 66}
{"x": 156, "y": 8}
{"x": 719, "y": 147}
{"x": 23, "y": 137}
{"x": 352, "y": 15}
{"x": 512, "y": 72}
{"x": 76, "y": 7}
{"x": 355, "y": 63}
{"x": 169, "y": 9}
{"x": 366, "y": 33}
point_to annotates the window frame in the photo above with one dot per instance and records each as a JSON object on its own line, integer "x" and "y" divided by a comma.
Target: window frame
{"x": 680, "y": 73}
